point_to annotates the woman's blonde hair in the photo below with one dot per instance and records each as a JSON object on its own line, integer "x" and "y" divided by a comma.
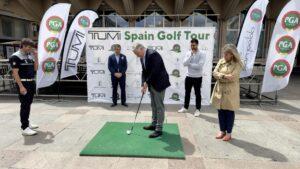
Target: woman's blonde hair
{"x": 231, "y": 48}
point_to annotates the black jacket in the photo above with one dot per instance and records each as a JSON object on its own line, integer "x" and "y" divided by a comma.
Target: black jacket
{"x": 155, "y": 73}
{"x": 114, "y": 67}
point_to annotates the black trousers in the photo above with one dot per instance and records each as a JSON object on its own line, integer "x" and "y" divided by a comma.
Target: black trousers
{"x": 189, "y": 83}
{"x": 26, "y": 101}
{"x": 226, "y": 120}
{"x": 115, "y": 82}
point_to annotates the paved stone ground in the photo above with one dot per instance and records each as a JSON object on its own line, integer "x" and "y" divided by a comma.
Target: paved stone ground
{"x": 266, "y": 136}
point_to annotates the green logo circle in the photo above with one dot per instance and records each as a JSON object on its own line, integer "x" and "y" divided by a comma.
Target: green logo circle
{"x": 280, "y": 68}
{"x": 285, "y": 45}
{"x": 55, "y": 24}
{"x": 176, "y": 73}
{"x": 84, "y": 21}
{"x": 48, "y": 65}
{"x": 176, "y": 48}
{"x": 175, "y": 97}
{"x": 52, "y": 44}
{"x": 256, "y": 15}
{"x": 291, "y": 20}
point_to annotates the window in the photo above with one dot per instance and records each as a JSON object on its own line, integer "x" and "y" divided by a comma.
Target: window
{"x": 7, "y": 27}
{"x": 21, "y": 29}
{"x": 234, "y": 27}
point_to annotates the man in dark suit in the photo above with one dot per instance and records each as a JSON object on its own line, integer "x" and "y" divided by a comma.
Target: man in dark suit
{"x": 117, "y": 65}
{"x": 155, "y": 77}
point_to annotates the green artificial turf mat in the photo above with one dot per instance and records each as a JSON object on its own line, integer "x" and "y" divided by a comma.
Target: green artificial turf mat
{"x": 112, "y": 140}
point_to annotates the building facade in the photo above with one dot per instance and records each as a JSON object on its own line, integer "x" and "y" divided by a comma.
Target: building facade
{"x": 20, "y": 18}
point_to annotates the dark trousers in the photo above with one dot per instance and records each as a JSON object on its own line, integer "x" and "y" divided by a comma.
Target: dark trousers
{"x": 189, "y": 83}
{"x": 226, "y": 120}
{"x": 26, "y": 101}
{"x": 115, "y": 82}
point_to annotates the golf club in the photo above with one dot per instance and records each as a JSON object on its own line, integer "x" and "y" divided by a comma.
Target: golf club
{"x": 130, "y": 131}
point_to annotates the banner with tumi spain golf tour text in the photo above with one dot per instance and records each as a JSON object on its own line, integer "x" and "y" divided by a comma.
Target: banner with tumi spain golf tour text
{"x": 51, "y": 39}
{"x": 283, "y": 48}
{"x": 171, "y": 43}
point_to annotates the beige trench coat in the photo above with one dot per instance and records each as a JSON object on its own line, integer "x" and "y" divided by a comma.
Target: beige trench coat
{"x": 226, "y": 93}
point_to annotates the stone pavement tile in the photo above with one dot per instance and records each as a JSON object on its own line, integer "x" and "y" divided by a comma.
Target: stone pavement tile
{"x": 246, "y": 164}
{"x": 9, "y": 110}
{"x": 188, "y": 163}
{"x": 295, "y": 116}
{"x": 43, "y": 119}
{"x": 252, "y": 141}
{"x": 64, "y": 141}
{"x": 126, "y": 118}
{"x": 68, "y": 118}
{"x": 8, "y": 105}
{"x": 175, "y": 114}
{"x": 86, "y": 106}
{"x": 10, "y": 157}
{"x": 77, "y": 111}
{"x": 49, "y": 111}
{"x": 188, "y": 140}
{"x": 46, "y": 135}
{"x": 92, "y": 162}
{"x": 289, "y": 103}
{"x": 268, "y": 140}
{"x": 282, "y": 118}
{"x": 44, "y": 160}
{"x": 141, "y": 163}
{"x": 6, "y": 118}
{"x": 88, "y": 122}
{"x": 98, "y": 111}
{"x": 295, "y": 126}
{"x": 31, "y": 143}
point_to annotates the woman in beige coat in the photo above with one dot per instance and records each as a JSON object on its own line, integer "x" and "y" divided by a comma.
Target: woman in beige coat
{"x": 226, "y": 93}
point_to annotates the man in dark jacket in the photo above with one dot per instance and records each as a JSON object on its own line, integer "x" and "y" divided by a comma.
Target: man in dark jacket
{"x": 155, "y": 77}
{"x": 117, "y": 65}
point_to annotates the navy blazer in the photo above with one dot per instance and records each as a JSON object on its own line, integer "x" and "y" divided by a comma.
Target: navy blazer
{"x": 114, "y": 67}
{"x": 155, "y": 73}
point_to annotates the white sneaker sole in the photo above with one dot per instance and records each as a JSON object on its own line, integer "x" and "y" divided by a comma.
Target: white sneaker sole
{"x": 196, "y": 115}
{"x": 24, "y": 134}
{"x": 33, "y": 128}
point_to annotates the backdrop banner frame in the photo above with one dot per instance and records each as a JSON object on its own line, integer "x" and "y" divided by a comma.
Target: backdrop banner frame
{"x": 171, "y": 43}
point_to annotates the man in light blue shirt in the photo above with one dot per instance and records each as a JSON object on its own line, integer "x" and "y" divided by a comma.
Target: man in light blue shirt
{"x": 194, "y": 61}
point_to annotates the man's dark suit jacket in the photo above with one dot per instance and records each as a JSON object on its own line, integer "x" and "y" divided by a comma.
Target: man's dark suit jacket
{"x": 154, "y": 73}
{"x": 114, "y": 67}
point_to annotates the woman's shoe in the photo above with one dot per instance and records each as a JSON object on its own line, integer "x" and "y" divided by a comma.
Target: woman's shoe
{"x": 227, "y": 137}
{"x": 220, "y": 135}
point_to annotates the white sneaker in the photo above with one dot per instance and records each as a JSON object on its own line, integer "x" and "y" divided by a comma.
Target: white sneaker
{"x": 197, "y": 113}
{"x": 182, "y": 110}
{"x": 33, "y": 126}
{"x": 28, "y": 132}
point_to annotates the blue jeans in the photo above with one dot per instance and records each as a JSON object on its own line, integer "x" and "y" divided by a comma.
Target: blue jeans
{"x": 226, "y": 120}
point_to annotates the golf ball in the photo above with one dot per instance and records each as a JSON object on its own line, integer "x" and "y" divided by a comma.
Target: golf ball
{"x": 128, "y": 131}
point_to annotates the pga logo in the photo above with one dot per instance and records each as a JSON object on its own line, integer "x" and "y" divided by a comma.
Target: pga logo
{"x": 84, "y": 21}
{"x": 55, "y": 24}
{"x": 285, "y": 45}
{"x": 291, "y": 20}
{"x": 280, "y": 68}
{"x": 52, "y": 44}
{"x": 48, "y": 66}
{"x": 256, "y": 15}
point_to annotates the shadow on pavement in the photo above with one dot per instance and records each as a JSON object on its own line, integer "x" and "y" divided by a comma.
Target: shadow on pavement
{"x": 259, "y": 151}
{"x": 41, "y": 137}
